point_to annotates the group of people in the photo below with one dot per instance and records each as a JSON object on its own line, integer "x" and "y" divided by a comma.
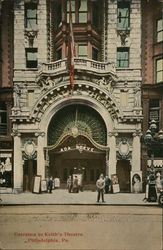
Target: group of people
{"x": 103, "y": 186}
{"x": 73, "y": 184}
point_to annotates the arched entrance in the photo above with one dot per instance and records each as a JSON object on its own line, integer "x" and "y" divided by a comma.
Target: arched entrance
{"x": 77, "y": 144}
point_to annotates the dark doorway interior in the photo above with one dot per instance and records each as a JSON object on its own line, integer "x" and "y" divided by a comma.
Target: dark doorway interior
{"x": 123, "y": 172}
{"x": 30, "y": 170}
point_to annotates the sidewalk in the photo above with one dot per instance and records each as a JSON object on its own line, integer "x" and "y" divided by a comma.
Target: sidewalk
{"x": 60, "y": 196}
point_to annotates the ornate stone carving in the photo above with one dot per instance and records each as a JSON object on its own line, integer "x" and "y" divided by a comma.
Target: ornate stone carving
{"x": 137, "y": 96}
{"x": 15, "y": 133}
{"x": 30, "y": 35}
{"x": 88, "y": 90}
{"x": 123, "y": 149}
{"x": 123, "y": 35}
{"x": 107, "y": 83}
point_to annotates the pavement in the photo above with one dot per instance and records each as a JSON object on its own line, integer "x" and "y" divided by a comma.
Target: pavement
{"x": 62, "y": 197}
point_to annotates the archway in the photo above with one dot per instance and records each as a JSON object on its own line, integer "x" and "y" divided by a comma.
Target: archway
{"x": 77, "y": 144}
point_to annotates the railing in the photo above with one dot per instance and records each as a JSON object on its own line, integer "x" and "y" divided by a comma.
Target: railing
{"x": 80, "y": 64}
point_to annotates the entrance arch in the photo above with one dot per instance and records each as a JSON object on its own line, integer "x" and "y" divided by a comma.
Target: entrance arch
{"x": 77, "y": 143}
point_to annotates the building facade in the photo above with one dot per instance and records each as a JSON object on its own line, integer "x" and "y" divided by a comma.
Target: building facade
{"x": 6, "y": 95}
{"x": 97, "y": 127}
{"x": 152, "y": 78}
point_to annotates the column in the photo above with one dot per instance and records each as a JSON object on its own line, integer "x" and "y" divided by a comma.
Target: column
{"x": 18, "y": 164}
{"x": 112, "y": 154}
{"x": 136, "y": 152}
{"x": 40, "y": 156}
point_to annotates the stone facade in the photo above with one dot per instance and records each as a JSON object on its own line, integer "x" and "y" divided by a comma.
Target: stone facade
{"x": 112, "y": 92}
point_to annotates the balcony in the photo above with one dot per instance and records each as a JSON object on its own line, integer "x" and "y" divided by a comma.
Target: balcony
{"x": 81, "y": 64}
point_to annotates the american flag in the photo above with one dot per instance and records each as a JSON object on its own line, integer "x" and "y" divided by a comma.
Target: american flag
{"x": 71, "y": 50}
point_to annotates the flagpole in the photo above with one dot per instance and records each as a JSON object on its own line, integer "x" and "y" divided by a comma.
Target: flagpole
{"x": 71, "y": 49}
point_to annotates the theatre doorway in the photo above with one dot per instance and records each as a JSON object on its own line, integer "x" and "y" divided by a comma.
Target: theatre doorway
{"x": 123, "y": 171}
{"x": 73, "y": 157}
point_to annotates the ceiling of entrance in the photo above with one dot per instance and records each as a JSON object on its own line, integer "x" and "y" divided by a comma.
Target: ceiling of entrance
{"x": 77, "y": 119}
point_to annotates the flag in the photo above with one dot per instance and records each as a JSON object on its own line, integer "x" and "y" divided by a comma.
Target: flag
{"x": 71, "y": 50}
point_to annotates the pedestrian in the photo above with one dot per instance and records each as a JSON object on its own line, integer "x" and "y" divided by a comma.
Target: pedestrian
{"x": 69, "y": 183}
{"x": 75, "y": 185}
{"x": 50, "y": 185}
{"x": 107, "y": 184}
{"x": 100, "y": 184}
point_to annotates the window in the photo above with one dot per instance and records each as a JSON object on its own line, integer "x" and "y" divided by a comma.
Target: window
{"x": 31, "y": 16}
{"x": 95, "y": 15}
{"x": 83, "y": 11}
{"x": 72, "y": 10}
{"x": 160, "y": 30}
{"x": 82, "y": 51}
{"x": 3, "y": 119}
{"x": 94, "y": 54}
{"x": 123, "y": 16}
{"x": 31, "y": 58}
{"x": 159, "y": 70}
{"x": 154, "y": 111}
{"x": 123, "y": 57}
{"x": 79, "y": 11}
{"x": 59, "y": 54}
{"x": 59, "y": 15}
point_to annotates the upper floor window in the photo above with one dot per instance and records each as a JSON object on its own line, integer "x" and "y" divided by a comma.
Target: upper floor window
{"x": 31, "y": 58}
{"x": 72, "y": 10}
{"x": 31, "y": 16}
{"x": 59, "y": 15}
{"x": 159, "y": 30}
{"x": 159, "y": 70}
{"x": 123, "y": 15}
{"x": 59, "y": 54}
{"x": 79, "y": 11}
{"x": 3, "y": 119}
{"x": 83, "y": 11}
{"x": 154, "y": 111}
{"x": 95, "y": 14}
{"x": 123, "y": 57}
{"x": 82, "y": 50}
{"x": 94, "y": 54}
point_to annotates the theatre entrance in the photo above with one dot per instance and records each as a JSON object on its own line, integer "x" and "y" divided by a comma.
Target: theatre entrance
{"x": 77, "y": 143}
{"x": 76, "y": 158}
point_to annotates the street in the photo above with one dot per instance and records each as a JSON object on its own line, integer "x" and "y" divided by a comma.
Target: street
{"x": 81, "y": 227}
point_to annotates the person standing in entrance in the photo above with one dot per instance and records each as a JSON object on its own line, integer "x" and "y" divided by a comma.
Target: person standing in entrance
{"x": 50, "y": 185}
{"x": 100, "y": 184}
{"x": 69, "y": 184}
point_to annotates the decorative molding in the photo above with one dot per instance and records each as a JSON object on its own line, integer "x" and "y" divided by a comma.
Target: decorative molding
{"x": 123, "y": 35}
{"x": 30, "y": 35}
{"x": 89, "y": 90}
{"x": 15, "y": 133}
{"x": 137, "y": 133}
{"x": 29, "y": 149}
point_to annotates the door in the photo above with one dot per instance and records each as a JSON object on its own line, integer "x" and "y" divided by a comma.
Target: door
{"x": 123, "y": 172}
{"x": 30, "y": 170}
